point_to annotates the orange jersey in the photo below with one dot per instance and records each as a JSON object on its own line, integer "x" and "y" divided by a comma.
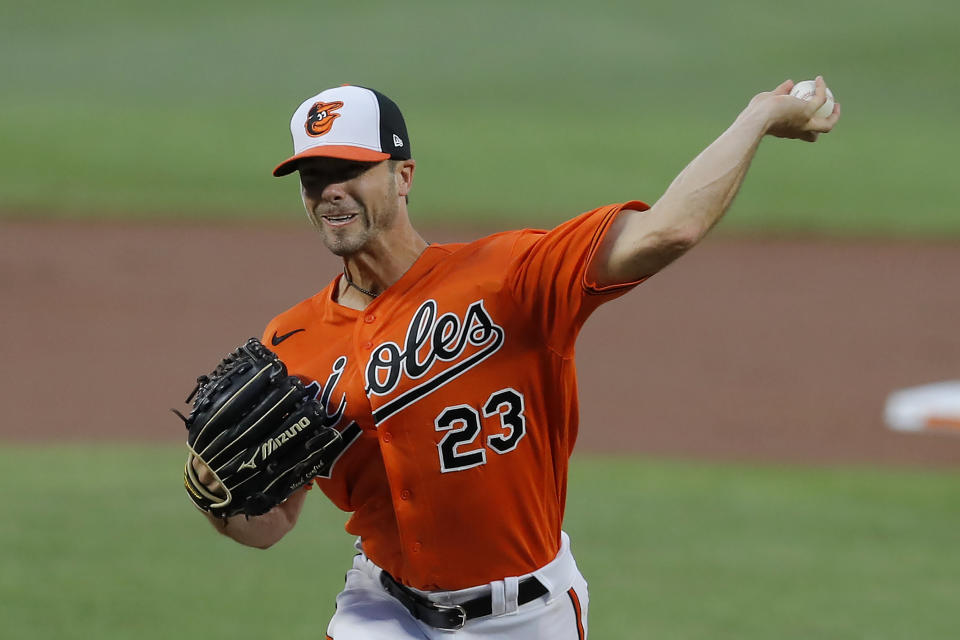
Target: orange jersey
{"x": 455, "y": 392}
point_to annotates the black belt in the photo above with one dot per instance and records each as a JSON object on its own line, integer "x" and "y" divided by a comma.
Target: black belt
{"x": 453, "y": 617}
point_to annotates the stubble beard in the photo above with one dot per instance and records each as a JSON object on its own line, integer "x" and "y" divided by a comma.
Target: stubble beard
{"x": 347, "y": 241}
{"x": 357, "y": 235}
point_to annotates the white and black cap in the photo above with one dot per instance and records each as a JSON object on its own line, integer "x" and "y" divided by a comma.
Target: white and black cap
{"x": 353, "y": 123}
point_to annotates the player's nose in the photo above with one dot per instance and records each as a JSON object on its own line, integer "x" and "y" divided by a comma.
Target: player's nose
{"x": 333, "y": 192}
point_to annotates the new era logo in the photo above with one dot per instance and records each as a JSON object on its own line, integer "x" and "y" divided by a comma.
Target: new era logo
{"x": 397, "y": 142}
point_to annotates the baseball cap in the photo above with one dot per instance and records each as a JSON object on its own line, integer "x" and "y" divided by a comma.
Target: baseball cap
{"x": 349, "y": 122}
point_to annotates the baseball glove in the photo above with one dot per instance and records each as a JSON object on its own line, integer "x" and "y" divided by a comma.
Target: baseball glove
{"x": 259, "y": 432}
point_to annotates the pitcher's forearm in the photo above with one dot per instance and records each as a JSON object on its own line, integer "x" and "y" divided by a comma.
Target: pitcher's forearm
{"x": 641, "y": 243}
{"x": 700, "y": 195}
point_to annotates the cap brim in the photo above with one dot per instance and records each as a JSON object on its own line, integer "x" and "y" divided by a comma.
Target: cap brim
{"x": 344, "y": 152}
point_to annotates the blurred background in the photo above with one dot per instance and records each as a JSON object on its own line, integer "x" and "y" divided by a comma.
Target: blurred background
{"x": 734, "y": 478}
{"x": 137, "y": 110}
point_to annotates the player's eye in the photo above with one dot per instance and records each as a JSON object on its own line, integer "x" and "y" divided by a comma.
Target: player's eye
{"x": 315, "y": 178}
{"x": 346, "y": 172}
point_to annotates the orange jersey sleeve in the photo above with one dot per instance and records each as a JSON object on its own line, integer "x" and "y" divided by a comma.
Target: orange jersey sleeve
{"x": 455, "y": 393}
{"x": 549, "y": 274}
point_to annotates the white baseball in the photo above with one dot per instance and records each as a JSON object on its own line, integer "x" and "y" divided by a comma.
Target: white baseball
{"x": 805, "y": 90}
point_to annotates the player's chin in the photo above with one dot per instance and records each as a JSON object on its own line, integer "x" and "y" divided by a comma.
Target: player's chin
{"x": 343, "y": 244}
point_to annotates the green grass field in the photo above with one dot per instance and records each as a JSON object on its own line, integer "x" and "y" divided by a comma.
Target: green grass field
{"x": 111, "y": 548}
{"x": 520, "y": 113}
{"x": 517, "y": 111}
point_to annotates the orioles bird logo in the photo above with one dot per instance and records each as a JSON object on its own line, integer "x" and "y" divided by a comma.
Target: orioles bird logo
{"x": 320, "y": 118}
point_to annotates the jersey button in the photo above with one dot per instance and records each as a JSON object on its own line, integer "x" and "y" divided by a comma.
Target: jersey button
{"x": 387, "y": 437}
{"x": 416, "y": 547}
{"x": 368, "y": 345}
{"x": 405, "y": 494}
{"x": 369, "y": 318}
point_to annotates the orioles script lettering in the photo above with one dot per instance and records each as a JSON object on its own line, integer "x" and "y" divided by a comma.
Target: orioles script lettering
{"x": 430, "y": 339}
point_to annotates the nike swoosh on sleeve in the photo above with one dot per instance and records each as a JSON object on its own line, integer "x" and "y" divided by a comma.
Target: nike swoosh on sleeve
{"x": 275, "y": 339}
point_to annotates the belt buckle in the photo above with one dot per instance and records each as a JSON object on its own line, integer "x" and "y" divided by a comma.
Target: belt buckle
{"x": 461, "y": 612}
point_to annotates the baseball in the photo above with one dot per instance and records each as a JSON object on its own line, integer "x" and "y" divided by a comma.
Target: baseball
{"x": 805, "y": 90}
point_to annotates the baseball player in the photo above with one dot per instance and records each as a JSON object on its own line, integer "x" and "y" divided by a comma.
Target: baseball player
{"x": 448, "y": 370}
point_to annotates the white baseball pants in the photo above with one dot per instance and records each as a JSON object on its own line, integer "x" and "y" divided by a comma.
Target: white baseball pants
{"x": 366, "y": 612}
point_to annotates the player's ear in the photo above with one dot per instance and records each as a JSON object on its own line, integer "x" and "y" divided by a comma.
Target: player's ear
{"x": 404, "y": 176}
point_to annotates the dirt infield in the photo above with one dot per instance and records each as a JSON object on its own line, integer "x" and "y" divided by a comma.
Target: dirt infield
{"x": 745, "y": 349}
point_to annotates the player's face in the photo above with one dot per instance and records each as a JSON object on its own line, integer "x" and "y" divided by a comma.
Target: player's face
{"x": 348, "y": 202}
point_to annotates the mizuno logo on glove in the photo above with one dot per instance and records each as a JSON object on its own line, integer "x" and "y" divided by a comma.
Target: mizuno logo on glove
{"x": 271, "y": 445}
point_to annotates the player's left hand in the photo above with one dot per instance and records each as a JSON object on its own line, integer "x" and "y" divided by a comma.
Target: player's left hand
{"x": 790, "y": 117}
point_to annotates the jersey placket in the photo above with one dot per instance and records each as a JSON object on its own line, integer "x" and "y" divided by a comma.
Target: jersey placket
{"x": 395, "y": 462}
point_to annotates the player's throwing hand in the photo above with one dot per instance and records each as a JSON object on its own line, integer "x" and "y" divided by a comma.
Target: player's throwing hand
{"x": 790, "y": 117}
